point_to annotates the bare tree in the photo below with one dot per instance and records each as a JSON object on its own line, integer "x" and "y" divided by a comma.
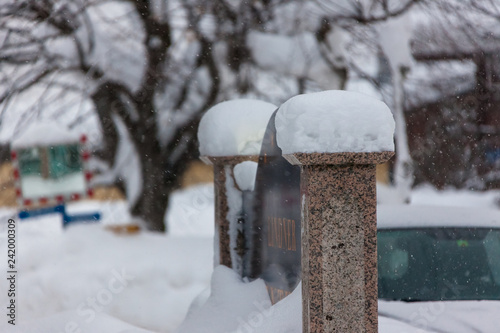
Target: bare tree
{"x": 148, "y": 69}
{"x": 43, "y": 40}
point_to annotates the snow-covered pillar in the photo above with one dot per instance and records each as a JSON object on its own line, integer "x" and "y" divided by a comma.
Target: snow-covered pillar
{"x": 337, "y": 138}
{"x": 228, "y": 204}
{"x": 231, "y": 133}
{"x": 339, "y": 240}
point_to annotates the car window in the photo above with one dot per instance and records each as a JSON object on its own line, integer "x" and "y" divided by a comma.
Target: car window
{"x": 492, "y": 247}
{"x": 439, "y": 264}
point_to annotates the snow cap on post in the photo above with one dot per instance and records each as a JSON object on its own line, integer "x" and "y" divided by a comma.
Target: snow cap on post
{"x": 230, "y": 133}
{"x": 44, "y": 134}
{"x": 244, "y": 174}
{"x": 334, "y": 121}
{"x": 234, "y": 128}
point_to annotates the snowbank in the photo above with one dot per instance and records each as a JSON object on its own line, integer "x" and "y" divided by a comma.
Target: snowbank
{"x": 44, "y": 134}
{"x": 234, "y": 127}
{"x": 334, "y": 121}
{"x": 86, "y": 274}
{"x": 237, "y": 306}
{"x": 425, "y": 216}
{"x": 444, "y": 316}
{"x": 427, "y": 195}
{"x": 191, "y": 212}
{"x": 70, "y": 322}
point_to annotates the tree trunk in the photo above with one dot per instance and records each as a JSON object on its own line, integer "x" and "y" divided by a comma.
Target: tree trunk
{"x": 153, "y": 200}
{"x": 103, "y": 100}
{"x": 403, "y": 169}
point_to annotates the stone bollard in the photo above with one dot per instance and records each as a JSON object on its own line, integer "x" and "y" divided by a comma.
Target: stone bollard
{"x": 339, "y": 248}
{"x": 224, "y": 186}
{"x": 337, "y": 138}
{"x": 230, "y": 133}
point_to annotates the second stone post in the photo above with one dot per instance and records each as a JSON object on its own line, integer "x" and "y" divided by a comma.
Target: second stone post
{"x": 225, "y": 186}
{"x": 231, "y": 133}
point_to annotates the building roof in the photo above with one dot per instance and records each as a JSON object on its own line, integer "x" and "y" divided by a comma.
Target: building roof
{"x": 44, "y": 134}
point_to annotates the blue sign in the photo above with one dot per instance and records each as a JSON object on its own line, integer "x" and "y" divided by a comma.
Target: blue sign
{"x": 61, "y": 209}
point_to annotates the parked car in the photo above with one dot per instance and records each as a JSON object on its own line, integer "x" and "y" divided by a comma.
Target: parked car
{"x": 439, "y": 268}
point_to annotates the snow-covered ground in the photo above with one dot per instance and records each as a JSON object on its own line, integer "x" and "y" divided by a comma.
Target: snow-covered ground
{"x": 88, "y": 279}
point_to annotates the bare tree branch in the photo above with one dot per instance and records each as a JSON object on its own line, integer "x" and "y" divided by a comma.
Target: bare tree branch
{"x": 357, "y": 16}
{"x": 24, "y": 86}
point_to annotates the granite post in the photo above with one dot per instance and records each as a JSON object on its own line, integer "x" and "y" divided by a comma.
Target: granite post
{"x": 339, "y": 240}
{"x": 223, "y": 182}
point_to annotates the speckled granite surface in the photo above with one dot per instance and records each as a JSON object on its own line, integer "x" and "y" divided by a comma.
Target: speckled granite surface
{"x": 221, "y": 203}
{"x": 339, "y": 259}
{"x": 338, "y": 158}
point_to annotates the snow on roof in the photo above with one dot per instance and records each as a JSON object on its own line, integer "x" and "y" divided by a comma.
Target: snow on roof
{"x": 413, "y": 216}
{"x": 334, "y": 121}
{"x": 234, "y": 127}
{"x": 44, "y": 134}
